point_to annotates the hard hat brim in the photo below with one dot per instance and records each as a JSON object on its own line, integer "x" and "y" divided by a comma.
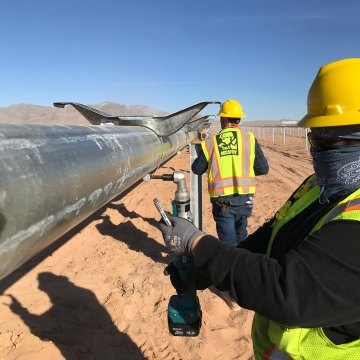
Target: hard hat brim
{"x": 227, "y": 116}
{"x": 311, "y": 121}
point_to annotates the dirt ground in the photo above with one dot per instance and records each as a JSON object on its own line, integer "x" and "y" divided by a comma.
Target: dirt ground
{"x": 99, "y": 292}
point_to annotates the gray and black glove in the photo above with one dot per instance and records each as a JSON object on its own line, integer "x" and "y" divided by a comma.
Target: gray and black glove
{"x": 179, "y": 237}
{"x": 201, "y": 282}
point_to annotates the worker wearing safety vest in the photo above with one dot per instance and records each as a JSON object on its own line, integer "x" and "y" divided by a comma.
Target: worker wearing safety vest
{"x": 231, "y": 159}
{"x": 300, "y": 271}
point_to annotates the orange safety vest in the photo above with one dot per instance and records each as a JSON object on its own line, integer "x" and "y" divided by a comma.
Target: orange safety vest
{"x": 230, "y": 155}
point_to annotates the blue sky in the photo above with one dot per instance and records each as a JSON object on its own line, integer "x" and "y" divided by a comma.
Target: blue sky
{"x": 170, "y": 54}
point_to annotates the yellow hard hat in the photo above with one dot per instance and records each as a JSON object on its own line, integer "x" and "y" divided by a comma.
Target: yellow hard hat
{"x": 334, "y": 96}
{"x": 231, "y": 109}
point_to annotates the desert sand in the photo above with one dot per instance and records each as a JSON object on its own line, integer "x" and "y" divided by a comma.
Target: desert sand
{"x": 99, "y": 292}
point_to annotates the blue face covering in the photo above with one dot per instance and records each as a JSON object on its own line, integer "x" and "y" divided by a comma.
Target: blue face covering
{"x": 337, "y": 171}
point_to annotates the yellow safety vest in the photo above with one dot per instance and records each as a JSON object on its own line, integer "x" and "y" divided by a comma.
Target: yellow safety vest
{"x": 230, "y": 155}
{"x": 272, "y": 340}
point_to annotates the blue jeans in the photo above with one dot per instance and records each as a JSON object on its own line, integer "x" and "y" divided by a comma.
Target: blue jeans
{"x": 232, "y": 221}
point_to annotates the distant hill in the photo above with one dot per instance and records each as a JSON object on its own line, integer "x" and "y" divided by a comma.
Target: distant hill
{"x": 28, "y": 113}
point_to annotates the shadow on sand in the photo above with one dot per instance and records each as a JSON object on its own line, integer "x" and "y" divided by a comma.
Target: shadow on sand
{"x": 76, "y": 323}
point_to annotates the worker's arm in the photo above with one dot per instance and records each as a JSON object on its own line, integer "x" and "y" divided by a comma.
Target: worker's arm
{"x": 200, "y": 164}
{"x": 317, "y": 284}
{"x": 261, "y": 165}
{"x": 258, "y": 241}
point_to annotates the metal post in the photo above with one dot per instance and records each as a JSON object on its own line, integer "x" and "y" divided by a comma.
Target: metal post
{"x": 284, "y": 133}
{"x": 196, "y": 206}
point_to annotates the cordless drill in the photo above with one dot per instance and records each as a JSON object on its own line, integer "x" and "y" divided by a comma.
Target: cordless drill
{"x": 184, "y": 312}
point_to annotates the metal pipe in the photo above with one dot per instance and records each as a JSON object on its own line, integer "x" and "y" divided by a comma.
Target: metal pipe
{"x": 196, "y": 205}
{"x": 55, "y": 176}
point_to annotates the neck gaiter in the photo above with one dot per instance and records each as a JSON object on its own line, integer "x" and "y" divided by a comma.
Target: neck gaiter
{"x": 337, "y": 171}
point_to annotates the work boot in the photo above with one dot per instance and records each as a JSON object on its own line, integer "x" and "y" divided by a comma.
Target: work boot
{"x": 230, "y": 302}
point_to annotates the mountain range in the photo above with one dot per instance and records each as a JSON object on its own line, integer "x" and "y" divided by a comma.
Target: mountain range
{"x": 28, "y": 113}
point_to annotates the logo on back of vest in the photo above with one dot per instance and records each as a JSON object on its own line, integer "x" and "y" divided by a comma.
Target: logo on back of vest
{"x": 227, "y": 143}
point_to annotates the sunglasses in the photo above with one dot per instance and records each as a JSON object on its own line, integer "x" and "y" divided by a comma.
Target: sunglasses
{"x": 330, "y": 143}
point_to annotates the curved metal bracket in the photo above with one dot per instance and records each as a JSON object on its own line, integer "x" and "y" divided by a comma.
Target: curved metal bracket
{"x": 161, "y": 125}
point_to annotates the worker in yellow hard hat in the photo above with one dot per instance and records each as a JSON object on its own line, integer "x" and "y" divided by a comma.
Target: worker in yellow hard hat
{"x": 232, "y": 159}
{"x": 300, "y": 271}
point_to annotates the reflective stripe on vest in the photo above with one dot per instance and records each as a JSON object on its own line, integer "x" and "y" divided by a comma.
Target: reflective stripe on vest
{"x": 243, "y": 181}
{"x": 350, "y": 205}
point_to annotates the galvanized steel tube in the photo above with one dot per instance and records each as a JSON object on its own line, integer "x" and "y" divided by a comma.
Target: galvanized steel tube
{"x": 52, "y": 177}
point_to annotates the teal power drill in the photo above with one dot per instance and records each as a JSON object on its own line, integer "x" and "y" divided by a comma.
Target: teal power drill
{"x": 184, "y": 312}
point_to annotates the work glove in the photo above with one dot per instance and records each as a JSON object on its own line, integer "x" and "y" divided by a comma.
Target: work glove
{"x": 179, "y": 237}
{"x": 181, "y": 287}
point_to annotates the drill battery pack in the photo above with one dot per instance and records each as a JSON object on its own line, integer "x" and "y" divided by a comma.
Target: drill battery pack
{"x": 184, "y": 315}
